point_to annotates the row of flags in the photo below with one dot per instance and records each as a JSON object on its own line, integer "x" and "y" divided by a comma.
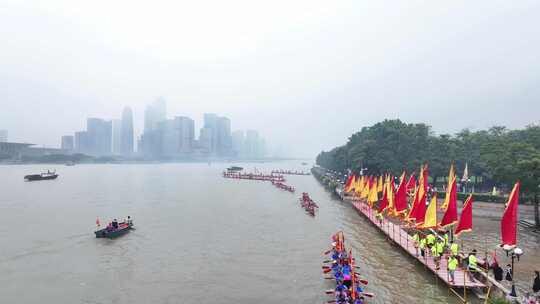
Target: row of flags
{"x": 395, "y": 202}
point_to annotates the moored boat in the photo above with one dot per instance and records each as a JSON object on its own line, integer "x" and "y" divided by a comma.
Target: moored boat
{"x": 42, "y": 176}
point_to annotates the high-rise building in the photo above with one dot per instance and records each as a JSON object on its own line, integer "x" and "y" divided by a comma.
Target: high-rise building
{"x": 100, "y": 136}
{"x": 155, "y": 113}
{"x": 254, "y": 145}
{"x": 170, "y": 138}
{"x": 238, "y": 143}
{"x": 186, "y": 127}
{"x": 224, "y": 140}
{"x": 210, "y": 124}
{"x": 3, "y": 135}
{"x": 82, "y": 142}
{"x": 151, "y": 140}
{"x": 205, "y": 140}
{"x": 67, "y": 143}
{"x": 126, "y": 146}
{"x": 220, "y": 127}
{"x": 116, "y": 136}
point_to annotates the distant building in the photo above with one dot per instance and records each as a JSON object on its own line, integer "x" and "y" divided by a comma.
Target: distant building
{"x": 100, "y": 136}
{"x": 10, "y": 150}
{"x": 238, "y": 143}
{"x": 224, "y": 139}
{"x": 170, "y": 138}
{"x": 3, "y": 135}
{"x": 210, "y": 125}
{"x": 67, "y": 143}
{"x": 186, "y": 127}
{"x": 255, "y": 146}
{"x": 126, "y": 146}
{"x": 82, "y": 142}
{"x": 220, "y": 127}
{"x": 116, "y": 136}
{"x": 206, "y": 139}
{"x": 154, "y": 114}
{"x": 151, "y": 142}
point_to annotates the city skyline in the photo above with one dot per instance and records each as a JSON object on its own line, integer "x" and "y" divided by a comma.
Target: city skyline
{"x": 164, "y": 136}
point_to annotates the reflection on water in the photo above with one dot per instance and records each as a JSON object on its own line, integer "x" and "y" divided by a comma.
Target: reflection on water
{"x": 199, "y": 238}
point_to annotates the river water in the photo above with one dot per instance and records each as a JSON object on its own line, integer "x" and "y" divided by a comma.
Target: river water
{"x": 199, "y": 238}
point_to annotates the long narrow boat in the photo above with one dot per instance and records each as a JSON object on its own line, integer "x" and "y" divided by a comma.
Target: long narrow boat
{"x": 282, "y": 186}
{"x": 348, "y": 284}
{"x": 308, "y": 204}
{"x": 111, "y": 233}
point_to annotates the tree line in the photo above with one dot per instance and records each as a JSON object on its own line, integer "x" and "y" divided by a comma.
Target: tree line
{"x": 499, "y": 156}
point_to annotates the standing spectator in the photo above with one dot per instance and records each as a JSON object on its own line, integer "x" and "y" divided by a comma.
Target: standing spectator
{"x": 536, "y": 284}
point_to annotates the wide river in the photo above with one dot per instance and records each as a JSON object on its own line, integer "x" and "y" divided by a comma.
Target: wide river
{"x": 199, "y": 238}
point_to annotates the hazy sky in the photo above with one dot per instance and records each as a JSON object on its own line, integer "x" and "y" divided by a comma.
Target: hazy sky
{"x": 306, "y": 74}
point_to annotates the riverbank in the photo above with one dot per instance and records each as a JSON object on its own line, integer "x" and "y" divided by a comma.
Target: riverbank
{"x": 485, "y": 236}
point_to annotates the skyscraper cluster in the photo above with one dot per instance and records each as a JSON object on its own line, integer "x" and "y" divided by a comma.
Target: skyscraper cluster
{"x": 248, "y": 144}
{"x": 175, "y": 138}
{"x": 103, "y": 137}
{"x": 165, "y": 138}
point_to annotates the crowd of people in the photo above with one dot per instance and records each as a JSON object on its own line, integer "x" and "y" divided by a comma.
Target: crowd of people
{"x": 438, "y": 247}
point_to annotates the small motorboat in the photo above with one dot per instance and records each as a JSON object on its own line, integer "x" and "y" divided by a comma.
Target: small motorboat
{"x": 112, "y": 232}
{"x": 42, "y": 176}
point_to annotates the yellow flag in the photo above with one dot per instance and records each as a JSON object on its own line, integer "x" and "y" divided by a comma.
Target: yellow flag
{"x": 365, "y": 191}
{"x": 430, "y": 221}
{"x": 373, "y": 195}
{"x": 360, "y": 185}
{"x": 421, "y": 182}
{"x": 380, "y": 184}
{"x": 390, "y": 194}
{"x": 451, "y": 177}
{"x": 352, "y": 184}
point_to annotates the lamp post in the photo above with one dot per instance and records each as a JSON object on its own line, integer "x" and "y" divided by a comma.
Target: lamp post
{"x": 513, "y": 252}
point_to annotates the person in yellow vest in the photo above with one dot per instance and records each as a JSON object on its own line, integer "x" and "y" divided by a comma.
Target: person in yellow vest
{"x": 436, "y": 251}
{"x": 430, "y": 240}
{"x": 379, "y": 217}
{"x": 416, "y": 239}
{"x": 445, "y": 236}
{"x": 454, "y": 249}
{"x": 452, "y": 265}
{"x": 472, "y": 265}
{"x": 422, "y": 246}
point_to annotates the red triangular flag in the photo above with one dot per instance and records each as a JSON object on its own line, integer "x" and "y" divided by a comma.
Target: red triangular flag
{"x": 400, "y": 202}
{"x": 509, "y": 218}
{"x": 465, "y": 221}
{"x": 451, "y": 215}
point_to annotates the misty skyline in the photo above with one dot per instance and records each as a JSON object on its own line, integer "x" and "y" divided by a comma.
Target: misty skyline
{"x": 306, "y": 74}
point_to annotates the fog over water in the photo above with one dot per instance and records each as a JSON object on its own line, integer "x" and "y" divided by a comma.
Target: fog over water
{"x": 323, "y": 69}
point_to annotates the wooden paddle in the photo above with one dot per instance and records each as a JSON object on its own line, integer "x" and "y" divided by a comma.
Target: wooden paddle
{"x": 364, "y": 282}
{"x": 367, "y": 294}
